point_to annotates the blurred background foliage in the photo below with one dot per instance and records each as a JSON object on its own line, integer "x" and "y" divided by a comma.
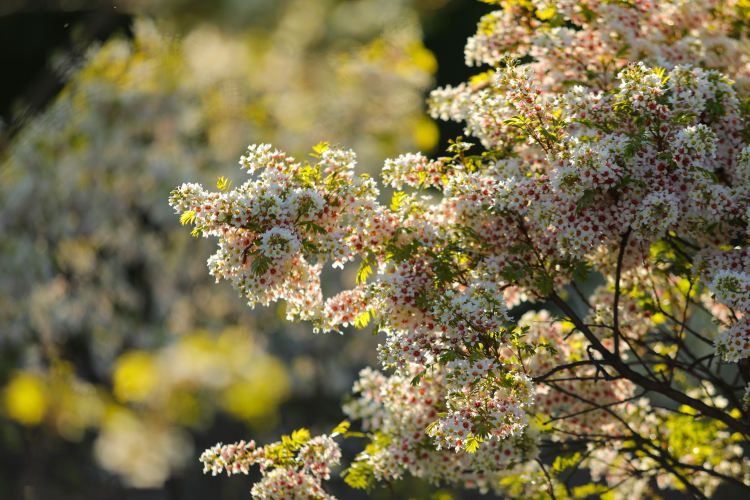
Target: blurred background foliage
{"x": 120, "y": 358}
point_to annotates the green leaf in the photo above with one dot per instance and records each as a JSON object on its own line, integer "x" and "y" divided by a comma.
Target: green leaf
{"x": 397, "y": 200}
{"x": 584, "y": 201}
{"x": 430, "y": 427}
{"x": 360, "y": 476}
{"x": 623, "y": 50}
{"x": 187, "y": 217}
{"x": 365, "y": 270}
{"x": 563, "y": 462}
{"x": 581, "y": 270}
{"x": 300, "y": 436}
{"x": 311, "y": 226}
{"x": 223, "y": 184}
{"x": 709, "y": 175}
{"x": 590, "y": 489}
{"x": 545, "y": 284}
{"x": 417, "y": 378}
{"x": 472, "y": 443}
{"x": 588, "y": 14}
{"x": 548, "y": 135}
{"x": 319, "y": 149}
{"x": 362, "y": 320}
{"x": 544, "y": 14}
{"x": 376, "y": 328}
{"x": 342, "y": 428}
{"x": 354, "y": 434}
{"x": 310, "y": 247}
{"x": 260, "y": 264}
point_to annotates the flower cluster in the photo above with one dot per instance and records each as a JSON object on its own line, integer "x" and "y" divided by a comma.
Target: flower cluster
{"x": 727, "y": 273}
{"x": 275, "y": 232}
{"x": 292, "y": 468}
{"x": 411, "y": 438}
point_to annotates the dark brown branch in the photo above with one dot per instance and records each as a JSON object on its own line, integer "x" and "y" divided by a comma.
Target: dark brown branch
{"x": 618, "y": 274}
{"x": 593, "y": 408}
{"x": 647, "y": 383}
{"x": 659, "y": 457}
{"x": 664, "y": 458}
{"x": 556, "y": 369}
{"x": 580, "y": 294}
{"x": 549, "y": 479}
{"x": 671, "y": 242}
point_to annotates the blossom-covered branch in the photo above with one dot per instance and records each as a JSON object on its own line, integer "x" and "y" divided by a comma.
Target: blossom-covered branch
{"x": 613, "y": 147}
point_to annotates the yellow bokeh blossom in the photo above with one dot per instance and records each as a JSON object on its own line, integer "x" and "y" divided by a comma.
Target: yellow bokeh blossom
{"x": 25, "y": 398}
{"x": 135, "y": 376}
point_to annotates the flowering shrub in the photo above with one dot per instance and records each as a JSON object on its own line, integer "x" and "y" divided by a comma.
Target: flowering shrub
{"x": 610, "y": 189}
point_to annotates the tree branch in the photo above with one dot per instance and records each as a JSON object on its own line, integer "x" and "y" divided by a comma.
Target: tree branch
{"x": 618, "y": 274}
{"x": 649, "y": 384}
